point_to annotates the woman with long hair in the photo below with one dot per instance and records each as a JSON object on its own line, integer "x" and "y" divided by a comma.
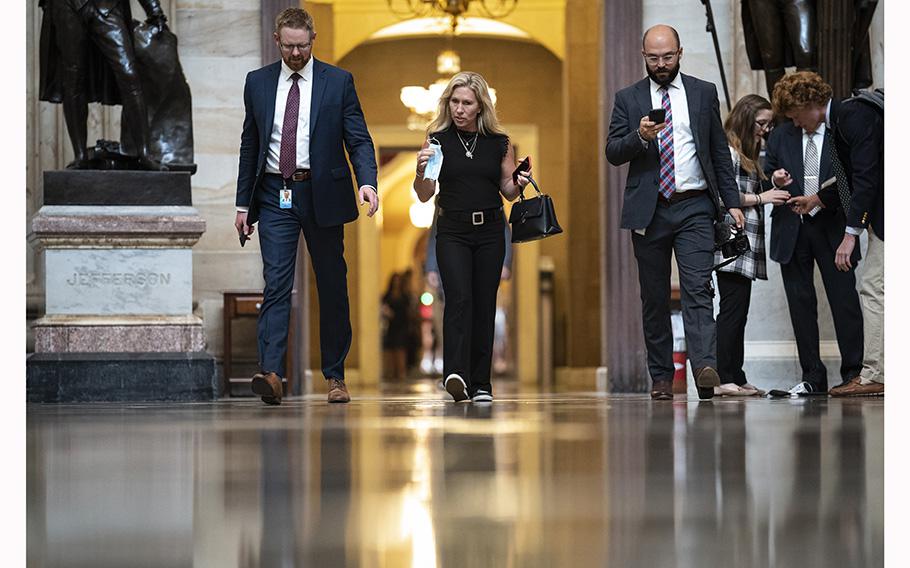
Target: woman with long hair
{"x": 477, "y": 166}
{"x": 748, "y": 123}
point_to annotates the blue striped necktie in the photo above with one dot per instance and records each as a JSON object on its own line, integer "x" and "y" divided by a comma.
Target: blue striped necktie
{"x": 667, "y": 183}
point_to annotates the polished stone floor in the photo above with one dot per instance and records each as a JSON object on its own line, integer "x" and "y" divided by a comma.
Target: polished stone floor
{"x": 413, "y": 480}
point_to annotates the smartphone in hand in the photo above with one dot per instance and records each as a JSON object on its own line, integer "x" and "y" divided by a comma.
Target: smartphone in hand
{"x": 657, "y": 115}
{"x": 524, "y": 166}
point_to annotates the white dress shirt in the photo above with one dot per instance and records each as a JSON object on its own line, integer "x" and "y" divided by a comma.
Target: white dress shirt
{"x": 305, "y": 84}
{"x": 688, "y": 171}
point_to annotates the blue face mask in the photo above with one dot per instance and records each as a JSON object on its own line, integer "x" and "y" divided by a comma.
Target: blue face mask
{"x": 434, "y": 165}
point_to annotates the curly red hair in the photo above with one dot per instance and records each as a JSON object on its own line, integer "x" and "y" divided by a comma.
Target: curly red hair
{"x": 799, "y": 90}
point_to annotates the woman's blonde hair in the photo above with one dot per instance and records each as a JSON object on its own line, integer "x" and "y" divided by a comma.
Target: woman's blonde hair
{"x": 487, "y": 122}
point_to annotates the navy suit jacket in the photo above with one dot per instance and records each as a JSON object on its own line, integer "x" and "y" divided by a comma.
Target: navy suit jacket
{"x": 623, "y": 145}
{"x": 785, "y": 150}
{"x": 336, "y": 123}
{"x": 859, "y": 136}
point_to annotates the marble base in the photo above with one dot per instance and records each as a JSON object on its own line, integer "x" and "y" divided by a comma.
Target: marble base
{"x": 116, "y": 377}
{"x": 103, "y": 334}
{"x": 109, "y": 187}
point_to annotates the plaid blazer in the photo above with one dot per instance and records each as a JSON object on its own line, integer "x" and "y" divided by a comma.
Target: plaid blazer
{"x": 752, "y": 264}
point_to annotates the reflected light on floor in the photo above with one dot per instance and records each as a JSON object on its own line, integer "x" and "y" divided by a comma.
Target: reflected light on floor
{"x": 416, "y": 507}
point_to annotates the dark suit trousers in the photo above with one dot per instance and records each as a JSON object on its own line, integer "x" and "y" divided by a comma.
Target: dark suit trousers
{"x": 813, "y": 247}
{"x": 470, "y": 266}
{"x": 685, "y": 228}
{"x": 735, "y": 293}
{"x": 279, "y": 233}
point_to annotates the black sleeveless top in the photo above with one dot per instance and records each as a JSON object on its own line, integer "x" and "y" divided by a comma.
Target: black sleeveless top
{"x": 467, "y": 184}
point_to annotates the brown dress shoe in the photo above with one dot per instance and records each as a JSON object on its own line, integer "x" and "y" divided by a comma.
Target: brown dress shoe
{"x": 268, "y": 386}
{"x": 856, "y": 388}
{"x": 662, "y": 390}
{"x": 706, "y": 378}
{"x": 338, "y": 392}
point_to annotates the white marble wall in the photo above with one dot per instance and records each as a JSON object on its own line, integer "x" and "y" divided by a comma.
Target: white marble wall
{"x": 219, "y": 45}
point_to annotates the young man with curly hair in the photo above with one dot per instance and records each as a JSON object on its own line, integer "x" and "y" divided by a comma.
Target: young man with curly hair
{"x": 827, "y": 151}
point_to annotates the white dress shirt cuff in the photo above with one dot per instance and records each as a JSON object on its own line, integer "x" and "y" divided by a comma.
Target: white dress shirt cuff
{"x": 855, "y": 231}
{"x": 242, "y": 209}
{"x": 376, "y": 191}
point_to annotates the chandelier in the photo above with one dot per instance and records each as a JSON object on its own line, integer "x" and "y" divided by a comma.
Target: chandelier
{"x": 423, "y": 101}
{"x": 493, "y": 9}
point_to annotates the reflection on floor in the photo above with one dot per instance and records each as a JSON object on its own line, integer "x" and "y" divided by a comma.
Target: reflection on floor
{"x": 414, "y": 480}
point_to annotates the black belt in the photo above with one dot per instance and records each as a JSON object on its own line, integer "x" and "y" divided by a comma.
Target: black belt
{"x": 474, "y": 217}
{"x": 678, "y": 196}
{"x": 298, "y": 175}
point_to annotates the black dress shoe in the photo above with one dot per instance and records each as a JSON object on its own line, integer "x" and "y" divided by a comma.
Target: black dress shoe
{"x": 706, "y": 378}
{"x": 662, "y": 390}
{"x": 268, "y": 386}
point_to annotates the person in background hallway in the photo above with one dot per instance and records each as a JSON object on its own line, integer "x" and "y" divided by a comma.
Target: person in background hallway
{"x": 858, "y": 129}
{"x": 477, "y": 167}
{"x": 746, "y": 125}
{"x": 300, "y": 116}
{"x": 394, "y": 341}
{"x": 674, "y": 168}
{"x": 800, "y": 158}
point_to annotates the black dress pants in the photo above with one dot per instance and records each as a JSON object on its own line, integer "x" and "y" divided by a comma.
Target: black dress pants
{"x": 735, "y": 294}
{"x": 470, "y": 265}
{"x": 813, "y": 247}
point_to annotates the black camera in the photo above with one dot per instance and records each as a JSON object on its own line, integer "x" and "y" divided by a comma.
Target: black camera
{"x": 730, "y": 241}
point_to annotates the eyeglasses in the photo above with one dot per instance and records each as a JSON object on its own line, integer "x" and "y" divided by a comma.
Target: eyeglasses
{"x": 665, "y": 58}
{"x": 764, "y": 125}
{"x": 301, "y": 47}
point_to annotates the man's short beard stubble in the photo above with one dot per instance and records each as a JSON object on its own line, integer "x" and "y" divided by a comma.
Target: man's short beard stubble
{"x": 674, "y": 71}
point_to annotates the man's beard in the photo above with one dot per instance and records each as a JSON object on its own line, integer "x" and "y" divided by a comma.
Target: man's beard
{"x": 663, "y": 82}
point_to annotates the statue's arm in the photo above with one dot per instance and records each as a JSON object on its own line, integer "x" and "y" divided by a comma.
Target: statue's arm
{"x": 153, "y": 10}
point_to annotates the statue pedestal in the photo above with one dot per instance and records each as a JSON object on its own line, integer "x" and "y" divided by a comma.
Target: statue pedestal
{"x": 118, "y": 322}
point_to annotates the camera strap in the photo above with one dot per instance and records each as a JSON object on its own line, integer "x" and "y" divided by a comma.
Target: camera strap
{"x": 725, "y": 262}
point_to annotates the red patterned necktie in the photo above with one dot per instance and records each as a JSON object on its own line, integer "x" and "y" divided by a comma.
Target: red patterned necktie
{"x": 287, "y": 159}
{"x": 665, "y": 140}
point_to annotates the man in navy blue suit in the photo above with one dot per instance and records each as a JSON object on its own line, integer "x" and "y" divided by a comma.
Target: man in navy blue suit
{"x": 301, "y": 114}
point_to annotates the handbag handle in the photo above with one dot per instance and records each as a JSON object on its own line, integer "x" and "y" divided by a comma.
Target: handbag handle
{"x": 521, "y": 190}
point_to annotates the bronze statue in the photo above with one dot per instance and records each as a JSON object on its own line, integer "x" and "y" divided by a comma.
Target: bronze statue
{"x": 90, "y": 52}
{"x": 779, "y": 34}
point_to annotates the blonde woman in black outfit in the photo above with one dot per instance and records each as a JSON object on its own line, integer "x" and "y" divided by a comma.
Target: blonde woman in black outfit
{"x": 477, "y": 167}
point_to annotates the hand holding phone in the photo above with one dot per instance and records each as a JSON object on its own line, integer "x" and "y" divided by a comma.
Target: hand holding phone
{"x": 657, "y": 115}
{"x": 524, "y": 166}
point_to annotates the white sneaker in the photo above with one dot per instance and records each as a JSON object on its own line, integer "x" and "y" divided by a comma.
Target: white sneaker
{"x": 482, "y": 396}
{"x": 426, "y": 365}
{"x": 455, "y": 386}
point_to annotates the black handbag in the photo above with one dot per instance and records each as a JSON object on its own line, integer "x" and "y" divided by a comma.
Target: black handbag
{"x": 533, "y": 218}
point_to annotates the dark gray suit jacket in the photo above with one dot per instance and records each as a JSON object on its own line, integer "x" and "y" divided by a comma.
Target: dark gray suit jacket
{"x": 623, "y": 145}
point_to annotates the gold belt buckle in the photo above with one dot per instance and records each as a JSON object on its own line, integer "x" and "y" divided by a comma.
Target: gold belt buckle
{"x": 477, "y": 217}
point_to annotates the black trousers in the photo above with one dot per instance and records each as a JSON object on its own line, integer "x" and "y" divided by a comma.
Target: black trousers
{"x": 735, "y": 294}
{"x": 814, "y": 248}
{"x": 470, "y": 266}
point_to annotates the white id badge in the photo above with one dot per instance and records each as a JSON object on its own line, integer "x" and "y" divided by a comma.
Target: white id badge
{"x": 284, "y": 199}
{"x": 434, "y": 165}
